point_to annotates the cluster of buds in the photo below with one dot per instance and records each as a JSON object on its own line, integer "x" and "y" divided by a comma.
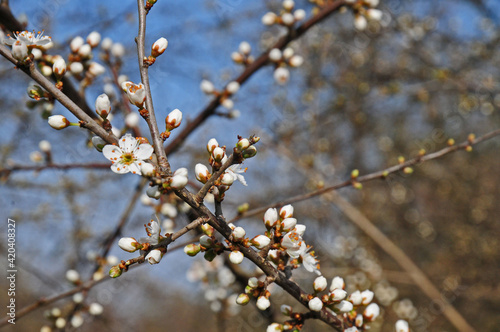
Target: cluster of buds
{"x": 150, "y": 244}
{"x": 232, "y": 87}
{"x": 282, "y": 60}
{"x": 288, "y": 17}
{"x": 24, "y": 42}
{"x": 364, "y": 11}
{"x": 207, "y": 244}
{"x": 178, "y": 180}
{"x": 157, "y": 49}
{"x": 172, "y": 121}
{"x": 242, "y": 56}
{"x": 80, "y": 60}
{"x": 256, "y": 289}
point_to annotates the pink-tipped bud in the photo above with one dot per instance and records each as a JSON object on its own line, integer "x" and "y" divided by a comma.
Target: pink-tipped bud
{"x": 173, "y": 120}
{"x": 129, "y": 244}
{"x": 159, "y": 47}
{"x": 103, "y": 105}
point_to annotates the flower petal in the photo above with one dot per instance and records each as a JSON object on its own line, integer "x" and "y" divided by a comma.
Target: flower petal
{"x": 43, "y": 41}
{"x": 9, "y": 41}
{"x": 135, "y": 168}
{"x": 112, "y": 152}
{"x": 120, "y": 168}
{"x": 128, "y": 143}
{"x": 143, "y": 151}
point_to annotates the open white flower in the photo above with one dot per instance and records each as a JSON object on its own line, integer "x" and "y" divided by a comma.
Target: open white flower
{"x": 153, "y": 229}
{"x": 235, "y": 171}
{"x": 128, "y": 156}
{"x": 28, "y": 38}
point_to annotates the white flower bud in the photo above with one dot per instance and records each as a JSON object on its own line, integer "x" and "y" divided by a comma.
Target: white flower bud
{"x": 320, "y": 284}
{"x": 37, "y": 54}
{"x": 192, "y": 249}
{"x": 93, "y": 39}
{"x": 128, "y": 244}
{"x": 179, "y": 181}
{"x": 238, "y": 233}
{"x": 243, "y": 299}
{"x": 122, "y": 79}
{"x": 315, "y": 304}
{"x": 36, "y": 157}
{"x": 338, "y": 294}
{"x": 218, "y": 154}
{"x": 60, "y": 323}
{"x": 288, "y": 4}
{"x": 168, "y": 210}
{"x": 275, "y": 55}
{"x": 275, "y": 327}
{"x": 85, "y": 51}
{"x": 236, "y": 257}
{"x": 59, "y": 67}
{"x": 117, "y": 50}
{"x": 288, "y": 224}
{"x": 76, "y": 43}
{"x": 227, "y": 103}
{"x": 96, "y": 69}
{"x": 106, "y": 44}
{"x": 44, "y": 146}
{"x": 153, "y": 192}
{"x": 374, "y": 14}
{"x": 201, "y": 172}
{"x": 351, "y": 329}
{"x": 211, "y": 145}
{"x": 227, "y": 179}
{"x": 359, "y": 320}
{"x": 243, "y": 143}
{"x": 77, "y": 321}
{"x": 367, "y": 296}
{"x": 270, "y": 217}
{"x": 232, "y": 87}
{"x": 206, "y": 241}
{"x": 135, "y": 92}
{"x": 253, "y": 282}
{"x": 286, "y": 309}
{"x": 72, "y": 276}
{"x": 287, "y": 19}
{"x": 402, "y": 326}
{"x": 281, "y": 75}
{"x": 269, "y": 18}
{"x": 132, "y": 119}
{"x": 159, "y": 47}
{"x": 296, "y": 61}
{"x": 95, "y": 309}
{"x": 237, "y": 57}
{"x": 260, "y": 241}
{"x": 46, "y": 71}
{"x": 58, "y": 122}
{"x": 263, "y": 303}
{"x": 344, "y": 306}
{"x": 207, "y": 87}
{"x": 286, "y": 211}
{"x": 103, "y": 105}
{"x": 372, "y": 3}
{"x": 76, "y": 68}
{"x": 299, "y": 14}
{"x": 288, "y": 53}
{"x": 372, "y": 312}
{"x": 154, "y": 256}
{"x": 78, "y": 298}
{"x": 337, "y": 283}
{"x": 244, "y": 48}
{"x": 356, "y": 298}
{"x": 360, "y": 22}
{"x": 173, "y": 119}
{"x": 300, "y": 229}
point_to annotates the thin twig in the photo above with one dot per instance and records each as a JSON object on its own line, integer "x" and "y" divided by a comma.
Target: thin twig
{"x": 151, "y": 118}
{"x": 38, "y": 168}
{"x": 210, "y": 182}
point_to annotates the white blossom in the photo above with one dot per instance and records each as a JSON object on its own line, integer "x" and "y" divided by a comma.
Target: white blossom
{"x": 28, "y": 38}
{"x": 128, "y": 156}
{"x": 154, "y": 256}
{"x": 315, "y": 304}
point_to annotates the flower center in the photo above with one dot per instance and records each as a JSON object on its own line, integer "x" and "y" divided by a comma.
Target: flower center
{"x": 127, "y": 158}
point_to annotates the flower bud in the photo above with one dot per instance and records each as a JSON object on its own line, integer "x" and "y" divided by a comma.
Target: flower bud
{"x": 260, "y": 241}
{"x": 356, "y": 298}
{"x": 154, "y": 256}
{"x": 299, "y": 14}
{"x": 338, "y": 294}
{"x": 319, "y": 284}
{"x": 179, "y": 181}
{"x": 253, "y": 282}
{"x": 275, "y": 327}
{"x": 103, "y": 106}
{"x": 288, "y": 5}
{"x": 243, "y": 144}
{"x": 232, "y": 87}
{"x": 211, "y": 145}
{"x": 44, "y": 146}
{"x": 337, "y": 283}
{"x": 372, "y": 312}
{"x": 359, "y": 320}
{"x": 288, "y": 53}
{"x": 192, "y": 249}
{"x": 281, "y": 75}
{"x": 35, "y": 91}
{"x": 236, "y": 257}
{"x": 286, "y": 309}
{"x": 237, "y": 57}
{"x": 287, "y": 19}
{"x": 238, "y": 233}
{"x": 129, "y": 244}
{"x": 117, "y": 50}
{"x": 76, "y": 43}
{"x": 46, "y": 71}
{"x": 159, "y": 47}
{"x": 315, "y": 304}
{"x": 218, "y": 154}
{"x": 249, "y": 152}
{"x": 227, "y": 103}
{"x": 367, "y": 296}
{"x": 98, "y": 143}
{"x": 173, "y": 119}
{"x": 115, "y": 272}
{"x": 207, "y": 87}
{"x": 72, "y": 276}
{"x": 76, "y": 68}
{"x": 288, "y": 224}
{"x": 153, "y": 192}
{"x": 227, "y": 179}
{"x": 374, "y": 14}
{"x": 201, "y": 172}
{"x": 132, "y": 119}
{"x": 296, "y": 61}
{"x": 207, "y": 229}
{"x": 244, "y": 48}
{"x": 269, "y": 18}
{"x": 85, "y": 51}
{"x": 270, "y": 218}
{"x": 93, "y": 39}
{"x": 58, "y": 122}
{"x": 286, "y": 211}
{"x": 59, "y": 68}
{"x": 344, "y": 306}
{"x": 106, "y": 44}
{"x": 96, "y": 69}
{"x": 263, "y": 303}
{"x": 402, "y": 326}
{"x": 243, "y": 299}
{"x": 206, "y": 241}
{"x": 360, "y": 22}
{"x": 275, "y": 55}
